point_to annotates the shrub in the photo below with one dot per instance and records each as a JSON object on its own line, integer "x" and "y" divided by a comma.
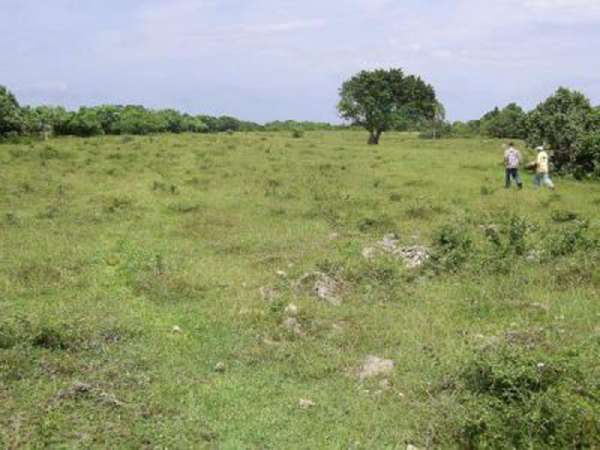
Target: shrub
{"x": 8, "y": 337}
{"x": 569, "y": 239}
{"x": 382, "y": 224}
{"x": 452, "y": 246}
{"x": 563, "y": 216}
{"x": 511, "y": 397}
{"x": 518, "y": 228}
{"x": 58, "y": 337}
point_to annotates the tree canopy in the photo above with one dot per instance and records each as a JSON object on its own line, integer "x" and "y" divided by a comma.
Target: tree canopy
{"x": 505, "y": 123}
{"x": 11, "y": 120}
{"x": 381, "y": 100}
{"x": 568, "y": 124}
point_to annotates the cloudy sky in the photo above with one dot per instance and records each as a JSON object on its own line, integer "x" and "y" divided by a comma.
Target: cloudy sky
{"x": 274, "y": 59}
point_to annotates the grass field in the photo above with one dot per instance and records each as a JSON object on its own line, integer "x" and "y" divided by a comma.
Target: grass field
{"x": 145, "y": 285}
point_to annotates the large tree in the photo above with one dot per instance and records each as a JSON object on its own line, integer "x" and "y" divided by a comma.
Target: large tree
{"x": 379, "y": 100}
{"x": 11, "y": 117}
{"x": 567, "y": 123}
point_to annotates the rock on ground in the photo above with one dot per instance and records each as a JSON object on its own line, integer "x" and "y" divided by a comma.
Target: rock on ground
{"x": 374, "y": 366}
{"x": 291, "y": 310}
{"x": 306, "y": 404}
{"x": 413, "y": 256}
{"x": 323, "y": 286}
{"x": 269, "y": 294}
{"x": 293, "y": 326}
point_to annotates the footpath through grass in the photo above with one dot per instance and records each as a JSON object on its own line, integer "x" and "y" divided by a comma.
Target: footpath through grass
{"x": 146, "y": 284}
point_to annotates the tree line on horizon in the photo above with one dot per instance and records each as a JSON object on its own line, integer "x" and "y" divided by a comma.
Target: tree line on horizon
{"x": 378, "y": 100}
{"x": 17, "y": 120}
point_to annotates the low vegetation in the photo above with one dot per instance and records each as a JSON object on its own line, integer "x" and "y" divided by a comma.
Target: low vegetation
{"x": 293, "y": 290}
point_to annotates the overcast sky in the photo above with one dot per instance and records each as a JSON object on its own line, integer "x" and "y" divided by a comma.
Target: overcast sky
{"x": 275, "y": 59}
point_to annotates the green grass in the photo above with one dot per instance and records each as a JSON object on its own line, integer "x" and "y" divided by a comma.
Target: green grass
{"x": 107, "y": 244}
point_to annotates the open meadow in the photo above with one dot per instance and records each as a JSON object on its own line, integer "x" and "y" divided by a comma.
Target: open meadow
{"x": 256, "y": 290}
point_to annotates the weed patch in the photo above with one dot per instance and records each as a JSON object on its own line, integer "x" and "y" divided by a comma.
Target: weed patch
{"x": 381, "y": 224}
{"x": 515, "y": 397}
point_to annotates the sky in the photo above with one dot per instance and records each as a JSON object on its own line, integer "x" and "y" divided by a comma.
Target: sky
{"x": 264, "y": 60}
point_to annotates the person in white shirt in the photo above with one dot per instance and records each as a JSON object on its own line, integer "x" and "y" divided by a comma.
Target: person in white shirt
{"x": 512, "y": 161}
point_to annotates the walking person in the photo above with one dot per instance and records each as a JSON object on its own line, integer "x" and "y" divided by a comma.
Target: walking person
{"x": 542, "y": 169}
{"x": 512, "y": 161}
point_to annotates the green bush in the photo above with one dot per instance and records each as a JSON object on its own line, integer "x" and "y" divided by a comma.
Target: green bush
{"x": 518, "y": 229}
{"x": 562, "y": 216}
{"x": 515, "y": 397}
{"x": 452, "y": 247}
{"x": 297, "y": 134}
{"x": 570, "y": 238}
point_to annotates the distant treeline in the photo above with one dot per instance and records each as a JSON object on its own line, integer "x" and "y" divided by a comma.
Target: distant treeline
{"x": 513, "y": 122}
{"x": 16, "y": 120}
{"x": 566, "y": 123}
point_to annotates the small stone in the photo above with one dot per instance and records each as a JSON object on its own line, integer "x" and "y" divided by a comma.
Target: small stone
{"x": 81, "y": 388}
{"x": 177, "y": 330}
{"x": 374, "y": 366}
{"x": 306, "y": 404}
{"x": 323, "y": 287}
{"x": 327, "y": 289}
{"x": 540, "y": 306}
{"x": 268, "y": 341}
{"x": 291, "y": 310}
{"x": 369, "y": 253}
{"x": 220, "y": 367}
{"x": 385, "y": 384}
{"x": 414, "y": 257}
{"x": 281, "y": 273}
{"x": 411, "y": 447}
{"x": 293, "y": 326}
{"x": 110, "y": 400}
{"x": 389, "y": 242}
{"x": 269, "y": 294}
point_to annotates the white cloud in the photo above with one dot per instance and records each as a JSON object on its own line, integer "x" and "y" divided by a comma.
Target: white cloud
{"x": 282, "y": 27}
{"x": 571, "y": 11}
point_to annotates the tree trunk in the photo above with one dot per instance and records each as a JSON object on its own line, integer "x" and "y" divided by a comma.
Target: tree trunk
{"x": 374, "y": 137}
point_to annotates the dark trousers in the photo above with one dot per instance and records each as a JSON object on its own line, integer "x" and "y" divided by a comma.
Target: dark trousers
{"x": 513, "y": 174}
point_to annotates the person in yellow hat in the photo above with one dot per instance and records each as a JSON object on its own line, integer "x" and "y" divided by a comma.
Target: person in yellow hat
{"x": 542, "y": 171}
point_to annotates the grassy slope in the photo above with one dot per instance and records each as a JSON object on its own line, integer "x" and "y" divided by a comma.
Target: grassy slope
{"x": 107, "y": 244}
